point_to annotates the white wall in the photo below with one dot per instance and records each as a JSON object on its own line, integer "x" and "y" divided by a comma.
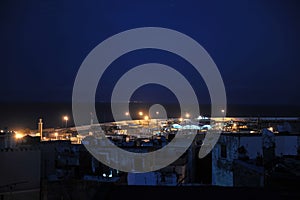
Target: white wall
{"x": 221, "y": 173}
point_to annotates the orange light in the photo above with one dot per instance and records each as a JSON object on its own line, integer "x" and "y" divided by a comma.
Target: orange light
{"x": 19, "y": 135}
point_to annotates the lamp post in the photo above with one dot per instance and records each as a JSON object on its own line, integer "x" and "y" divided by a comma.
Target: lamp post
{"x": 126, "y": 114}
{"x": 187, "y": 115}
{"x": 146, "y": 118}
{"x": 66, "y": 118}
{"x": 56, "y": 135}
{"x": 223, "y": 113}
{"x": 157, "y": 113}
{"x": 141, "y": 113}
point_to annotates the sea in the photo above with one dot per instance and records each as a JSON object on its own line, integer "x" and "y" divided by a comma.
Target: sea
{"x": 14, "y": 116}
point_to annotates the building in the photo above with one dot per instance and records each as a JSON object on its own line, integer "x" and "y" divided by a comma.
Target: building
{"x": 7, "y": 139}
{"x": 20, "y": 173}
{"x": 244, "y": 159}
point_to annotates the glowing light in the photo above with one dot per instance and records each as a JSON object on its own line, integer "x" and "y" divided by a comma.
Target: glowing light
{"x": 146, "y": 117}
{"x": 180, "y": 119}
{"x": 271, "y": 129}
{"x": 187, "y": 115}
{"x": 157, "y": 112}
{"x": 127, "y": 113}
{"x": 56, "y": 134}
{"x": 141, "y": 113}
{"x": 19, "y": 135}
{"x": 66, "y": 118}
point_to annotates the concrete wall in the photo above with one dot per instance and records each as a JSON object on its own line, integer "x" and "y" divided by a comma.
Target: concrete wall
{"x": 7, "y": 140}
{"x": 222, "y": 167}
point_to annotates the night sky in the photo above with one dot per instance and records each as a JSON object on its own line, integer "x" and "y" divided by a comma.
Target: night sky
{"x": 255, "y": 45}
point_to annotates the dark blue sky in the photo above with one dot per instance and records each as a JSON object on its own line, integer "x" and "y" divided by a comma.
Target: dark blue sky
{"x": 255, "y": 44}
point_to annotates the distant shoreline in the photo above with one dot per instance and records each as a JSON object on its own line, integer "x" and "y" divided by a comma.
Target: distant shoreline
{"x": 25, "y": 115}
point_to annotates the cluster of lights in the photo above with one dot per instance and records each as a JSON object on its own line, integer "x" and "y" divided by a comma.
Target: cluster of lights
{"x": 187, "y": 115}
{"x": 140, "y": 113}
{"x": 110, "y": 175}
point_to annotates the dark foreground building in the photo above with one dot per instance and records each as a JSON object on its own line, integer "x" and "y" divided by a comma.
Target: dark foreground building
{"x": 94, "y": 191}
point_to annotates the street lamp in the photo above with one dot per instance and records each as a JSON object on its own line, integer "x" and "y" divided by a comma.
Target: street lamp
{"x": 187, "y": 115}
{"x": 66, "y": 118}
{"x": 146, "y": 118}
{"x": 56, "y": 135}
{"x": 223, "y": 113}
{"x": 18, "y": 135}
{"x": 126, "y": 115}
